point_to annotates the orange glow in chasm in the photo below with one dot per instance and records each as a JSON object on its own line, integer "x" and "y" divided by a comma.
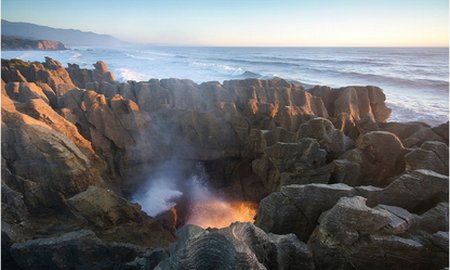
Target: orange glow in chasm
{"x": 216, "y": 213}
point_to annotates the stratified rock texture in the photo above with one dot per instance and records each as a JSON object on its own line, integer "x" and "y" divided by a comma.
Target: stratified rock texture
{"x": 296, "y": 208}
{"x": 416, "y": 191}
{"x": 353, "y": 236}
{"x": 239, "y": 246}
{"x": 90, "y": 79}
{"x": 324, "y": 164}
{"x": 50, "y": 72}
{"x": 354, "y": 108}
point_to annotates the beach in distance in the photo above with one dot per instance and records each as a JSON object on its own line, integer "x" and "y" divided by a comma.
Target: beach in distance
{"x": 415, "y": 80}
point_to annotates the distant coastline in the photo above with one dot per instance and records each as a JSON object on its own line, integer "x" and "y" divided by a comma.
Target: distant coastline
{"x": 12, "y": 43}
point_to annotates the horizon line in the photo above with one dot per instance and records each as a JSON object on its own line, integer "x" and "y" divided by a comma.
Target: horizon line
{"x": 138, "y": 43}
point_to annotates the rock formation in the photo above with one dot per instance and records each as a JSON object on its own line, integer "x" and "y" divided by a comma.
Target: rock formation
{"x": 338, "y": 186}
{"x": 18, "y": 44}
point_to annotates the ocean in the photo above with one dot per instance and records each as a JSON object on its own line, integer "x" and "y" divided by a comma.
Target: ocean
{"x": 415, "y": 80}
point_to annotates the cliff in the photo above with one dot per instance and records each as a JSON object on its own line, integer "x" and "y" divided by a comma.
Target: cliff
{"x": 21, "y": 44}
{"x": 70, "y": 37}
{"x": 338, "y": 186}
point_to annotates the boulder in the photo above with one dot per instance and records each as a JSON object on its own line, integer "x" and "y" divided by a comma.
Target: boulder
{"x": 115, "y": 219}
{"x": 431, "y": 155}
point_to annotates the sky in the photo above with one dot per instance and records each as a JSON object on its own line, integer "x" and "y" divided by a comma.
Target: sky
{"x": 246, "y": 22}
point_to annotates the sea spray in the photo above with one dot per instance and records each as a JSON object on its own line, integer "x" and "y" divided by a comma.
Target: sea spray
{"x": 170, "y": 182}
{"x": 170, "y": 187}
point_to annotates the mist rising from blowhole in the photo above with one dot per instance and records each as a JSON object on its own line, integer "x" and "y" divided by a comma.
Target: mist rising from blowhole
{"x": 184, "y": 186}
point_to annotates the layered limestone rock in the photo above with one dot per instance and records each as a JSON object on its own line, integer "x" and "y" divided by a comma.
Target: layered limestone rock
{"x": 239, "y": 246}
{"x": 50, "y": 72}
{"x": 378, "y": 156}
{"x": 354, "y": 108}
{"x": 75, "y": 141}
{"x": 90, "y": 79}
{"x": 352, "y": 235}
{"x": 44, "y": 148}
{"x": 332, "y": 140}
{"x": 296, "y": 208}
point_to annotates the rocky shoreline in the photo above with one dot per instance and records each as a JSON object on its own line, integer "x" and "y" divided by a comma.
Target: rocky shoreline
{"x": 11, "y": 43}
{"x": 338, "y": 186}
